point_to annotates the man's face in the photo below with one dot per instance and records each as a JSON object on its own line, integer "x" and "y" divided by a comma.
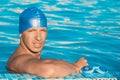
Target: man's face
{"x": 34, "y": 39}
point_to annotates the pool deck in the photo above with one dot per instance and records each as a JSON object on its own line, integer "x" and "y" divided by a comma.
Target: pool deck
{"x": 8, "y": 76}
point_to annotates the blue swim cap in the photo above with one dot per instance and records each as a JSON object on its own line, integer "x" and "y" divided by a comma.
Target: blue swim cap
{"x": 31, "y": 17}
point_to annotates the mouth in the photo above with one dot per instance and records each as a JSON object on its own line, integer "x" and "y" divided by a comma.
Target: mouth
{"x": 37, "y": 45}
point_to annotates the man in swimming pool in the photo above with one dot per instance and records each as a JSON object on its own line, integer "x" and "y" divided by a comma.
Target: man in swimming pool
{"x": 26, "y": 58}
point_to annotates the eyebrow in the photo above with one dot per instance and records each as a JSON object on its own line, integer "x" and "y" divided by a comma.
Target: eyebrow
{"x": 31, "y": 29}
{"x": 43, "y": 29}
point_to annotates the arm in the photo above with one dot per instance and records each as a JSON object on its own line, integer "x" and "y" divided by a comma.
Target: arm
{"x": 44, "y": 68}
{"x": 28, "y": 64}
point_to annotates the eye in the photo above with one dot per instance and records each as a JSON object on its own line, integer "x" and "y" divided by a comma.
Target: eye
{"x": 32, "y": 30}
{"x": 43, "y": 30}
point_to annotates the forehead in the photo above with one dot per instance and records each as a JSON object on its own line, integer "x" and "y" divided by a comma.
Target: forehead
{"x": 36, "y": 28}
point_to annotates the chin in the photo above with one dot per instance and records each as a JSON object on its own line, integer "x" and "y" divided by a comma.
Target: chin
{"x": 37, "y": 50}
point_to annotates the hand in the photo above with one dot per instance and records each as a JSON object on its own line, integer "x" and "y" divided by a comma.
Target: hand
{"x": 80, "y": 64}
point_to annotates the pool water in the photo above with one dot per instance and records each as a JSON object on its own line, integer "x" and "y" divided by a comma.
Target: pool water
{"x": 76, "y": 28}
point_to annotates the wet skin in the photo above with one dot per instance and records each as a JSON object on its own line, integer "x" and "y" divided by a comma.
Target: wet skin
{"x": 26, "y": 58}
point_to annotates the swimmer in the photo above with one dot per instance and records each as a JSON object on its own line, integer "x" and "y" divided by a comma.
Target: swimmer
{"x": 26, "y": 58}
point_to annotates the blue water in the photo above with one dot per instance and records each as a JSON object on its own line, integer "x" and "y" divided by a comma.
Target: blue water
{"x": 76, "y": 28}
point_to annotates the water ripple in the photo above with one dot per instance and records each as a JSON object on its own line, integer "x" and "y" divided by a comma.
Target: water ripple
{"x": 8, "y": 38}
{"x": 76, "y": 28}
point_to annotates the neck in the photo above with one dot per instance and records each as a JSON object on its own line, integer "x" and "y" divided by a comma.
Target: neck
{"x": 23, "y": 49}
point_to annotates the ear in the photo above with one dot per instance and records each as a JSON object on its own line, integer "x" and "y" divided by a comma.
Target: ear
{"x": 20, "y": 35}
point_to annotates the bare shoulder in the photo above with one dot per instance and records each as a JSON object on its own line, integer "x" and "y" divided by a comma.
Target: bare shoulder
{"x": 17, "y": 62}
{"x": 19, "y": 58}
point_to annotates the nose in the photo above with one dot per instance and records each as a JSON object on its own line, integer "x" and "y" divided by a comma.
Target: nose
{"x": 38, "y": 36}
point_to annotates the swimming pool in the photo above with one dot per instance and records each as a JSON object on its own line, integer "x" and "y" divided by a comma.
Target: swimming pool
{"x": 76, "y": 28}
